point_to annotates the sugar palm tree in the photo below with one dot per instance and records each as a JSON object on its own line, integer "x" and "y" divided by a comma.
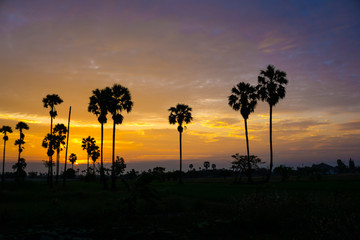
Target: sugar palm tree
{"x": 180, "y": 114}
{"x": 72, "y": 159}
{"x": 51, "y": 101}
{"x": 59, "y": 133}
{"x": 120, "y": 101}
{"x": 20, "y": 126}
{"x": 244, "y": 98}
{"x": 49, "y": 142}
{"x": 87, "y": 144}
{"x": 4, "y": 130}
{"x": 271, "y": 88}
{"x": 95, "y": 154}
{"x": 99, "y": 106}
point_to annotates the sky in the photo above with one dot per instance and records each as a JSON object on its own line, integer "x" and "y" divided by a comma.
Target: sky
{"x": 190, "y": 52}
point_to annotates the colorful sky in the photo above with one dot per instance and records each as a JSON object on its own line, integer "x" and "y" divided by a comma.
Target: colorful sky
{"x": 192, "y": 52}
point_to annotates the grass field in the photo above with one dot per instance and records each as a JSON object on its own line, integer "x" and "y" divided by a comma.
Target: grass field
{"x": 198, "y": 209}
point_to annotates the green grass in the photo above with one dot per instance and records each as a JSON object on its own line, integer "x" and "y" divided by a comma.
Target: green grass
{"x": 198, "y": 209}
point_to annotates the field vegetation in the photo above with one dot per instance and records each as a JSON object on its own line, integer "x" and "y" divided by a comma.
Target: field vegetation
{"x": 212, "y": 208}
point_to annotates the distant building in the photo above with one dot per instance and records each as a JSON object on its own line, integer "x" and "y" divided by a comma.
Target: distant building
{"x": 324, "y": 168}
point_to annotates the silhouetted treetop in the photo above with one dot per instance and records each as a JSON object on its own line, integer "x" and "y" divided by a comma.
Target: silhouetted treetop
{"x": 270, "y": 88}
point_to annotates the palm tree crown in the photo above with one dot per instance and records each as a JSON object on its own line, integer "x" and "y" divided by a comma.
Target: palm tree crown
{"x": 99, "y": 103}
{"x": 51, "y": 101}
{"x": 20, "y": 126}
{"x": 5, "y": 130}
{"x": 180, "y": 114}
{"x": 120, "y": 101}
{"x": 59, "y": 131}
{"x": 270, "y": 87}
{"x": 87, "y": 144}
{"x": 243, "y": 98}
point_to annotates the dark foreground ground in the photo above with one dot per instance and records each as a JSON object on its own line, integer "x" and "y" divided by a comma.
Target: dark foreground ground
{"x": 198, "y": 209}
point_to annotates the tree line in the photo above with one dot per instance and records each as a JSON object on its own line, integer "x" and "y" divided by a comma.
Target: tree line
{"x": 117, "y": 99}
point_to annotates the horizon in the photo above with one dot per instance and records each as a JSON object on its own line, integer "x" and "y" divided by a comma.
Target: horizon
{"x": 193, "y": 53}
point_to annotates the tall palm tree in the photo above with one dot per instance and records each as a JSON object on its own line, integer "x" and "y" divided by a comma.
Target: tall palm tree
{"x": 99, "y": 106}
{"x": 72, "y": 159}
{"x": 244, "y": 98}
{"x": 59, "y": 133}
{"x": 20, "y": 126}
{"x": 180, "y": 114}
{"x": 51, "y": 100}
{"x": 87, "y": 144}
{"x": 4, "y": 130}
{"x": 49, "y": 142}
{"x": 120, "y": 101}
{"x": 271, "y": 89}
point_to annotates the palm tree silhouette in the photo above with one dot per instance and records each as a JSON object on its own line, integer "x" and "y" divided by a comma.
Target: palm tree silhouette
{"x": 87, "y": 144}
{"x": 72, "y": 159}
{"x": 51, "y": 101}
{"x": 49, "y": 142}
{"x": 20, "y": 126}
{"x": 4, "y": 130}
{"x": 180, "y": 114}
{"x": 244, "y": 98}
{"x": 120, "y": 101}
{"x": 59, "y": 133}
{"x": 271, "y": 89}
{"x": 99, "y": 106}
{"x": 95, "y": 154}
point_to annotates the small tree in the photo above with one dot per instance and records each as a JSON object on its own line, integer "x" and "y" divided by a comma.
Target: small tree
{"x": 191, "y": 166}
{"x": 213, "y": 166}
{"x": 341, "y": 167}
{"x": 241, "y": 164}
{"x": 206, "y": 165}
{"x": 119, "y": 166}
{"x": 72, "y": 159}
{"x": 19, "y": 167}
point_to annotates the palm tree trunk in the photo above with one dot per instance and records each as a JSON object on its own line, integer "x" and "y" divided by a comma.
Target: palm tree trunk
{"x": 17, "y": 169}
{"x": 113, "y": 160}
{"x": 66, "y": 150}
{"x": 180, "y": 175}
{"x": 57, "y": 166}
{"x": 248, "y": 153}
{"x": 50, "y": 157}
{"x": 102, "y": 174}
{"x": 3, "y": 165}
{"x": 87, "y": 169}
{"x": 271, "y": 148}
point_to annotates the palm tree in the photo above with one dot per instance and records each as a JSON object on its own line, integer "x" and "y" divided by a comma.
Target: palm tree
{"x": 95, "y": 154}
{"x": 51, "y": 101}
{"x": 120, "y": 101}
{"x": 244, "y": 98}
{"x": 180, "y": 114}
{"x": 59, "y": 134}
{"x": 271, "y": 89}
{"x": 49, "y": 142}
{"x": 87, "y": 144}
{"x": 99, "y": 106}
{"x": 72, "y": 159}
{"x": 4, "y": 130}
{"x": 20, "y": 142}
